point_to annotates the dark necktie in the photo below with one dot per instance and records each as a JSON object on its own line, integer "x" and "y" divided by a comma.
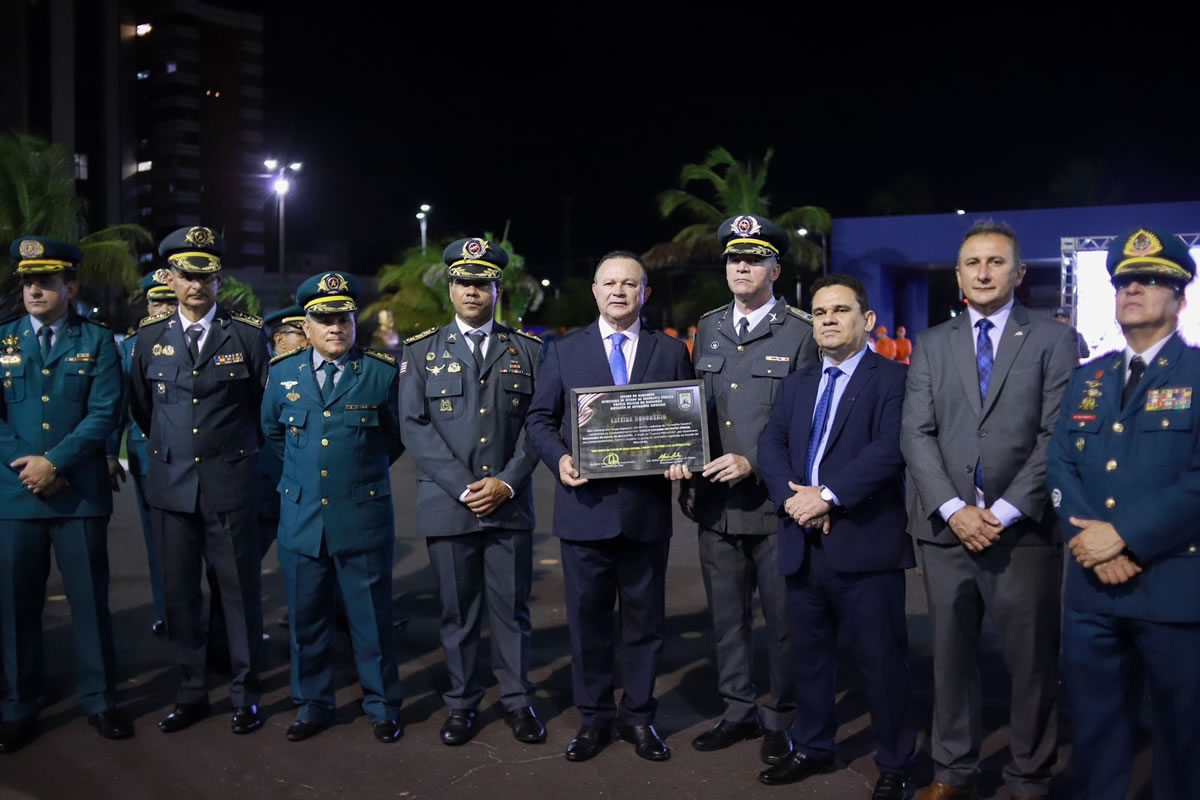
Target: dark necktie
{"x": 820, "y": 417}
{"x": 743, "y": 328}
{"x": 1136, "y": 367}
{"x": 479, "y": 337}
{"x": 44, "y": 336}
{"x": 193, "y": 335}
{"x": 330, "y": 369}
{"x": 616, "y": 360}
{"x": 984, "y": 359}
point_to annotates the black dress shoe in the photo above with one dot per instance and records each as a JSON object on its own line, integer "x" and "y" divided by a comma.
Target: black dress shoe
{"x": 246, "y": 719}
{"x": 525, "y": 726}
{"x": 159, "y": 627}
{"x": 387, "y": 731}
{"x": 184, "y": 715}
{"x": 589, "y": 741}
{"x": 15, "y": 735}
{"x": 460, "y": 726}
{"x": 725, "y": 733}
{"x": 111, "y": 724}
{"x": 890, "y": 786}
{"x": 647, "y": 743}
{"x": 300, "y": 730}
{"x": 776, "y": 746}
{"x": 795, "y": 767}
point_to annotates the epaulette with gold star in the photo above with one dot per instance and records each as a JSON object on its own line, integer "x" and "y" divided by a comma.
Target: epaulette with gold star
{"x": 804, "y": 315}
{"x": 420, "y": 336}
{"x": 249, "y": 319}
{"x": 156, "y": 318}
{"x": 714, "y": 311}
{"x": 288, "y": 354}
{"x": 380, "y": 355}
{"x": 527, "y": 335}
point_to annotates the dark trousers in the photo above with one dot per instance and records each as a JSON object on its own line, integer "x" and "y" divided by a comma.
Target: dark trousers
{"x": 1020, "y": 589}
{"x": 80, "y": 549}
{"x": 365, "y": 580}
{"x": 595, "y": 575}
{"x": 144, "y": 514}
{"x": 733, "y": 567}
{"x": 496, "y": 565}
{"x": 230, "y": 544}
{"x": 868, "y": 610}
{"x": 1106, "y": 660}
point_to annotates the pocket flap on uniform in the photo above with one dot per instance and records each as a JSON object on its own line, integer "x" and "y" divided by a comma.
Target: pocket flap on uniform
{"x": 161, "y": 372}
{"x": 1167, "y": 420}
{"x": 710, "y": 363}
{"x": 371, "y": 491}
{"x": 517, "y": 383}
{"x": 289, "y": 490}
{"x": 771, "y": 367}
{"x": 362, "y": 419}
{"x": 161, "y": 452}
{"x": 293, "y": 417}
{"x": 231, "y": 372}
{"x": 447, "y": 387}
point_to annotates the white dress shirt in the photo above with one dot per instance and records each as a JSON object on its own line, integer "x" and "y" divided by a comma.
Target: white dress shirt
{"x": 205, "y": 322}
{"x": 628, "y": 347}
{"x": 318, "y": 363}
{"x": 1147, "y": 356}
{"x": 55, "y": 327}
{"x": 754, "y": 317}
{"x": 466, "y": 330}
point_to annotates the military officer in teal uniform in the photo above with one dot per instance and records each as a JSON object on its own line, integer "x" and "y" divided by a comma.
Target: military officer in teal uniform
{"x": 160, "y": 299}
{"x": 196, "y": 387}
{"x": 286, "y": 328}
{"x": 332, "y": 412}
{"x": 466, "y": 388}
{"x": 61, "y": 400}
{"x": 1124, "y": 474}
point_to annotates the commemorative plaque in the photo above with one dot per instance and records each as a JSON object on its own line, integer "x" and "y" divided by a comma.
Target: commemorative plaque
{"x": 638, "y": 429}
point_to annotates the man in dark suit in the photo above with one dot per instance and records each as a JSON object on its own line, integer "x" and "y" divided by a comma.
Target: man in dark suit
{"x": 615, "y": 532}
{"x": 1124, "y": 474}
{"x": 196, "y": 385}
{"x": 465, "y": 391}
{"x": 982, "y": 397}
{"x": 830, "y": 456}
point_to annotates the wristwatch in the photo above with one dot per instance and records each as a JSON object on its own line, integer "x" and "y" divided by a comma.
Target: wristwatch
{"x": 827, "y": 495}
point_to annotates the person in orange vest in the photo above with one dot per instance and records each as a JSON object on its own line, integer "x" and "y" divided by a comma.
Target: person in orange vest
{"x": 903, "y": 345}
{"x": 884, "y": 345}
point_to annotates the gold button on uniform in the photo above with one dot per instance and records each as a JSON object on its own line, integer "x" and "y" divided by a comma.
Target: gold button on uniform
{"x": 372, "y": 493}
{"x": 733, "y": 386}
{"x": 195, "y": 373}
{"x": 1192, "y": 549}
{"x": 45, "y": 372}
{"x": 1166, "y": 423}
{"x": 483, "y": 381}
{"x": 197, "y": 459}
{"x": 291, "y": 419}
{"x": 443, "y": 391}
{"x": 195, "y": 431}
{"x": 328, "y": 413}
{"x": 1111, "y": 465}
{"x": 740, "y": 348}
{"x": 324, "y": 501}
{"x": 728, "y": 424}
{"x": 324, "y": 473}
{"x": 483, "y": 440}
{"x": 1110, "y": 503}
{"x": 483, "y": 411}
{"x": 485, "y": 467}
{"x": 324, "y": 443}
{"x": 45, "y": 399}
{"x": 45, "y": 426}
{"x": 1118, "y": 427}
{"x": 362, "y": 419}
{"x": 195, "y": 401}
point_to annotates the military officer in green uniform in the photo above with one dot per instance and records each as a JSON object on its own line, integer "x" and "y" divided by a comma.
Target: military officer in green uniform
{"x": 61, "y": 401}
{"x": 466, "y": 388}
{"x": 286, "y": 328}
{"x": 332, "y": 413}
{"x": 196, "y": 386}
{"x": 743, "y": 351}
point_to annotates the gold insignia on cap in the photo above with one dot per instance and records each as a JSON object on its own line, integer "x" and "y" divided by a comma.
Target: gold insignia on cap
{"x": 200, "y": 236}
{"x": 746, "y": 225}
{"x": 475, "y": 247}
{"x": 31, "y": 248}
{"x": 160, "y": 275}
{"x": 1142, "y": 243}
{"x": 332, "y": 282}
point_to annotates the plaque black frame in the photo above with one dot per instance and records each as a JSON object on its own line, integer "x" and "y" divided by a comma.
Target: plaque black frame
{"x": 701, "y": 412}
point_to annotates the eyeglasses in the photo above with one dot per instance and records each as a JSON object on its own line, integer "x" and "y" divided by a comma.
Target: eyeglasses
{"x": 1125, "y": 281}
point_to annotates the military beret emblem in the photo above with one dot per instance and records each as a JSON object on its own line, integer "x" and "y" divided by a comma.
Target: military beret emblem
{"x": 160, "y": 275}
{"x": 1143, "y": 243}
{"x": 199, "y": 236}
{"x": 332, "y": 282}
{"x": 474, "y": 248}
{"x": 31, "y": 248}
{"x": 746, "y": 225}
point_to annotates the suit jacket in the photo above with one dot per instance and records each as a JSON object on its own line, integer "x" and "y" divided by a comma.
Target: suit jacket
{"x": 861, "y": 465}
{"x": 741, "y": 381}
{"x": 63, "y": 409}
{"x": 946, "y": 431}
{"x": 202, "y": 418}
{"x": 336, "y": 486}
{"x": 1139, "y": 469}
{"x": 462, "y": 425}
{"x": 638, "y": 508}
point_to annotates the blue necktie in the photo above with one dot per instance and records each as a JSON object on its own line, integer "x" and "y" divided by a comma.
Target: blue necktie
{"x": 984, "y": 359}
{"x": 330, "y": 368}
{"x": 820, "y": 417}
{"x": 44, "y": 340}
{"x": 616, "y": 360}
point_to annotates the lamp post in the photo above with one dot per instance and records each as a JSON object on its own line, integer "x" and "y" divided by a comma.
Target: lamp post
{"x": 281, "y": 186}
{"x": 423, "y": 219}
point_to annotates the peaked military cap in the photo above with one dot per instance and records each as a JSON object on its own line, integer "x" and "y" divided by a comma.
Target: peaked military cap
{"x": 329, "y": 293}
{"x": 475, "y": 259}
{"x": 291, "y": 316}
{"x": 753, "y": 235}
{"x": 1147, "y": 252}
{"x": 195, "y": 249}
{"x": 154, "y": 286}
{"x": 39, "y": 255}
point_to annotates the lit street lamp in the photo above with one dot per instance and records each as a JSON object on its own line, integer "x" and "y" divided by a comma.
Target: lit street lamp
{"x": 423, "y": 219}
{"x": 281, "y": 186}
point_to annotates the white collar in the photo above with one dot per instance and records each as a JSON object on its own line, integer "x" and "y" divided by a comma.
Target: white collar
{"x": 631, "y": 333}
{"x": 466, "y": 329}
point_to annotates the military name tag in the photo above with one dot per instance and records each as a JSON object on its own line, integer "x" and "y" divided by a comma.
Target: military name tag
{"x": 1083, "y": 417}
{"x": 81, "y": 357}
{"x": 1169, "y": 399}
{"x": 225, "y": 359}
{"x": 778, "y": 358}
{"x": 361, "y": 408}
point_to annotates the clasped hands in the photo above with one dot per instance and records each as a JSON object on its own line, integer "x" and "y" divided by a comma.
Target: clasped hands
{"x": 39, "y": 476}
{"x": 485, "y": 495}
{"x": 1098, "y": 546}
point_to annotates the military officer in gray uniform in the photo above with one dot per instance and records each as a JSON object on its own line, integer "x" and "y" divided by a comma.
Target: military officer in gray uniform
{"x": 196, "y": 386}
{"x": 743, "y": 351}
{"x": 465, "y": 390}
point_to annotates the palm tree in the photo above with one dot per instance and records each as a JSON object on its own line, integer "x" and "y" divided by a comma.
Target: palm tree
{"x": 736, "y": 189}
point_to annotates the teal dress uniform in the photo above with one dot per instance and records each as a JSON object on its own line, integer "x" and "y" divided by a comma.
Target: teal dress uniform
{"x": 1136, "y": 466}
{"x": 336, "y": 524}
{"x": 63, "y": 407}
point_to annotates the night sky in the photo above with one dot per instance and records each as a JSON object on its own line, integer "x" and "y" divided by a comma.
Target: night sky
{"x": 568, "y": 122}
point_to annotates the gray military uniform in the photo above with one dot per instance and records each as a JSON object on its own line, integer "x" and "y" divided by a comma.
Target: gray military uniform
{"x": 461, "y": 424}
{"x": 742, "y": 376}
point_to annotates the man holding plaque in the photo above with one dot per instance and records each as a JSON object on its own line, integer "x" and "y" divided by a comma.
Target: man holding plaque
{"x": 744, "y": 350}
{"x": 615, "y": 532}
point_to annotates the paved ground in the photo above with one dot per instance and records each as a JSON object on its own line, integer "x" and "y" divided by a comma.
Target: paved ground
{"x": 207, "y": 761}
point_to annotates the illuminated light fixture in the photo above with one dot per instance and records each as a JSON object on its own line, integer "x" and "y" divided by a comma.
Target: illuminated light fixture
{"x": 960, "y": 211}
{"x": 426, "y": 207}
{"x": 295, "y": 166}
{"x": 802, "y": 231}
{"x": 270, "y": 163}
{"x": 420, "y": 215}
{"x": 545, "y": 282}
{"x": 145, "y": 166}
{"x": 282, "y": 185}
{"x": 144, "y": 29}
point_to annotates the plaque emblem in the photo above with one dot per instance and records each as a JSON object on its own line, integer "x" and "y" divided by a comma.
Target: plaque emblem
{"x": 685, "y": 400}
{"x": 332, "y": 283}
{"x": 474, "y": 248}
{"x": 745, "y": 225}
{"x": 31, "y": 248}
{"x": 612, "y": 460}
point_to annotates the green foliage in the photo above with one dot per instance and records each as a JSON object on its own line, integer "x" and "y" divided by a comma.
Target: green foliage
{"x": 236, "y": 294}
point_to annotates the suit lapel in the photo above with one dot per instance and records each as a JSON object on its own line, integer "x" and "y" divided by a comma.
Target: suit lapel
{"x": 858, "y": 380}
{"x": 1011, "y": 342}
{"x": 775, "y": 316}
{"x": 806, "y": 405}
{"x": 349, "y": 376}
{"x": 594, "y": 361}
{"x": 64, "y": 341}
{"x": 645, "y": 349}
{"x": 456, "y": 347}
{"x": 217, "y": 337}
{"x": 962, "y": 347}
{"x": 497, "y": 346}
{"x": 1156, "y": 376}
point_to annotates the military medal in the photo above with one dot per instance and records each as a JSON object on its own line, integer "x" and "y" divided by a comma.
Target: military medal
{"x": 446, "y": 354}
{"x": 430, "y": 356}
{"x": 11, "y": 353}
{"x": 1162, "y": 362}
{"x": 512, "y": 351}
{"x": 516, "y": 402}
{"x": 446, "y": 405}
{"x": 168, "y": 350}
{"x": 293, "y": 396}
{"x": 454, "y": 366}
{"x": 715, "y": 345}
{"x": 1169, "y": 399}
{"x": 1079, "y": 445}
{"x": 436, "y": 370}
{"x": 452, "y": 337}
{"x": 162, "y": 388}
{"x": 1088, "y": 404}
{"x": 156, "y": 350}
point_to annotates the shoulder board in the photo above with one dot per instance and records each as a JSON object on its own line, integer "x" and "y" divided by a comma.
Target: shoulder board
{"x": 99, "y": 323}
{"x": 156, "y": 318}
{"x": 129, "y": 334}
{"x": 249, "y": 319}
{"x": 380, "y": 355}
{"x": 288, "y": 354}
{"x": 714, "y": 311}
{"x": 527, "y": 335}
{"x": 420, "y": 336}
{"x": 804, "y": 315}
